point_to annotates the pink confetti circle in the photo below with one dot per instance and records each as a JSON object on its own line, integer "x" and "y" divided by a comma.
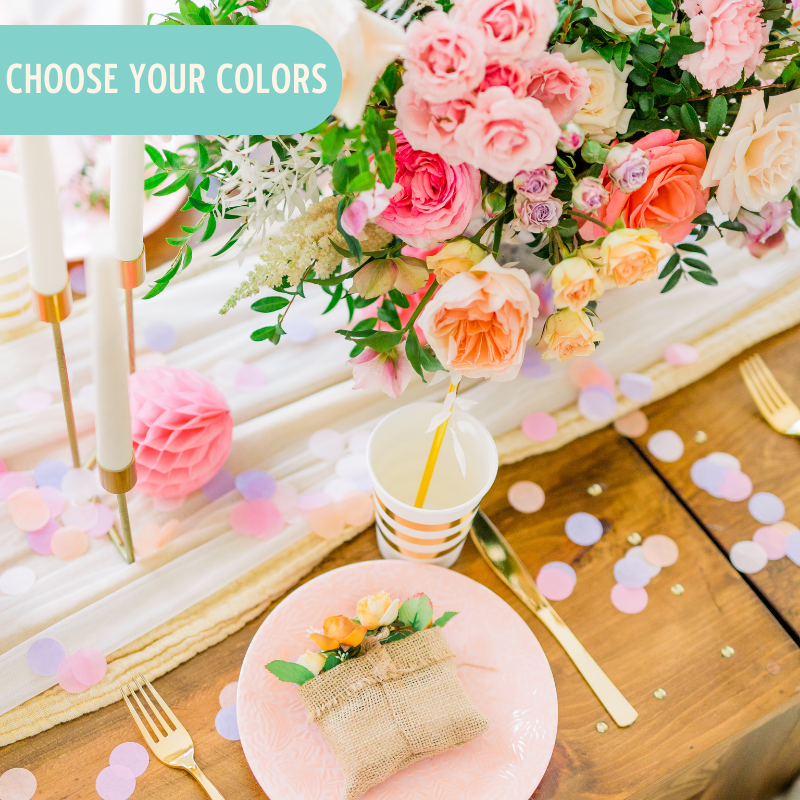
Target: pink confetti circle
{"x": 539, "y": 426}
{"x": 358, "y": 509}
{"x": 249, "y": 378}
{"x": 66, "y": 677}
{"x": 53, "y": 498}
{"x": 352, "y": 466}
{"x": 792, "y": 546}
{"x": 28, "y": 509}
{"x": 83, "y": 516}
{"x": 327, "y": 522}
{"x": 79, "y": 485}
{"x": 115, "y": 783}
{"x": 666, "y": 446}
{"x": 256, "y": 484}
{"x": 40, "y": 541}
{"x": 285, "y": 498}
{"x": 69, "y": 543}
{"x": 748, "y": 557}
{"x": 773, "y": 540}
{"x": 636, "y": 387}
{"x": 725, "y": 460}
{"x": 89, "y": 666}
{"x": 632, "y": 425}
{"x": 678, "y": 355}
{"x": 131, "y": 755}
{"x": 17, "y": 784}
{"x": 563, "y": 566}
{"x": 3, "y": 467}
{"x": 148, "y": 539}
{"x": 34, "y": 400}
{"x": 227, "y": 697}
{"x": 105, "y": 519}
{"x": 259, "y": 518}
{"x": 48, "y": 378}
{"x": 307, "y": 502}
{"x": 627, "y": 600}
{"x": 660, "y": 550}
{"x": 735, "y": 487}
{"x": 326, "y": 444}
{"x": 554, "y": 584}
{"x": 597, "y": 404}
{"x": 10, "y": 482}
{"x": 526, "y": 496}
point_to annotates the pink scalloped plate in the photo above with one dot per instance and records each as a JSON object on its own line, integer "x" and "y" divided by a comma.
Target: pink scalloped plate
{"x": 502, "y": 666}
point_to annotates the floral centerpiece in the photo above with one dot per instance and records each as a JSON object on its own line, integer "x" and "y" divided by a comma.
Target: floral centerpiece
{"x": 594, "y": 131}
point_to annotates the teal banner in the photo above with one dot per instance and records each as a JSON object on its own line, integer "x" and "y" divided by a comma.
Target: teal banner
{"x": 106, "y": 79}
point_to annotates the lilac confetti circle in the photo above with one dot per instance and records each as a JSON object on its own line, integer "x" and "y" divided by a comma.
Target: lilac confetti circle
{"x": 222, "y": 483}
{"x": 40, "y": 541}
{"x": 131, "y": 755}
{"x": 34, "y": 400}
{"x": 11, "y": 481}
{"x": 226, "y": 723}
{"x": 534, "y": 367}
{"x": 632, "y": 572}
{"x": 50, "y": 472}
{"x": 766, "y": 508}
{"x": 708, "y": 475}
{"x": 160, "y": 336}
{"x": 53, "y": 499}
{"x": 666, "y": 446}
{"x": 249, "y": 378}
{"x": 105, "y": 519}
{"x": 736, "y": 486}
{"x": 636, "y": 387}
{"x": 597, "y": 403}
{"x": 299, "y": 329}
{"x": 115, "y": 783}
{"x": 255, "y": 484}
{"x": 583, "y": 529}
{"x": 792, "y": 545}
{"x": 77, "y": 277}
{"x": 44, "y": 656}
{"x": 564, "y": 567}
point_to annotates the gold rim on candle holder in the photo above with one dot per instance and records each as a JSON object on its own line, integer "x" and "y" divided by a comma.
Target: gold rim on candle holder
{"x": 53, "y": 307}
{"x": 118, "y": 481}
{"x": 132, "y": 273}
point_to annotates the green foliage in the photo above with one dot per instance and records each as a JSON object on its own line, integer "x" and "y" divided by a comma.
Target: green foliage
{"x": 289, "y": 672}
{"x": 416, "y": 612}
{"x": 444, "y": 619}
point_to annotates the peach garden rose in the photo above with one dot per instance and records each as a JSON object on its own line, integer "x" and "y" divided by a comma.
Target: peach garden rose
{"x": 575, "y": 283}
{"x": 631, "y": 255}
{"x": 569, "y": 333}
{"x": 457, "y": 256}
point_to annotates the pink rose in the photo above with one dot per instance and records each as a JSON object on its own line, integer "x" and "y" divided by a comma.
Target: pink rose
{"x": 536, "y": 215}
{"x": 431, "y": 126}
{"x": 559, "y": 85}
{"x": 765, "y": 231}
{"x": 505, "y": 72}
{"x": 513, "y": 28}
{"x": 628, "y": 167}
{"x": 390, "y": 371}
{"x": 479, "y": 321}
{"x": 503, "y": 135}
{"x": 589, "y": 194}
{"x": 733, "y": 34}
{"x": 445, "y": 58}
{"x": 436, "y": 200}
{"x": 537, "y": 184}
{"x": 571, "y": 138}
{"x": 8, "y": 160}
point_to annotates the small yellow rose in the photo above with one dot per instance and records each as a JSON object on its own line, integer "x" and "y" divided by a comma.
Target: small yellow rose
{"x": 377, "y": 610}
{"x": 460, "y": 255}
{"x": 575, "y": 283}
{"x": 337, "y": 631}
{"x": 312, "y": 661}
{"x": 631, "y": 255}
{"x": 569, "y": 333}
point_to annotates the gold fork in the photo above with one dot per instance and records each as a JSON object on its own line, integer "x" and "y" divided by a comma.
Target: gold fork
{"x": 172, "y": 745}
{"x": 773, "y": 403}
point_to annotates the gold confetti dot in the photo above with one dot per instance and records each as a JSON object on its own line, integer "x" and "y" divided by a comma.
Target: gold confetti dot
{"x": 727, "y": 651}
{"x": 595, "y": 489}
{"x": 700, "y": 437}
{"x": 659, "y": 694}
{"x": 677, "y": 590}
{"x": 601, "y": 727}
{"x": 635, "y": 538}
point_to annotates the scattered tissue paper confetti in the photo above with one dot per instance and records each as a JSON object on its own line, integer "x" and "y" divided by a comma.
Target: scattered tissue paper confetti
{"x": 678, "y": 355}
{"x": 249, "y": 378}
{"x": 748, "y": 557}
{"x": 160, "y": 336}
{"x": 259, "y": 518}
{"x": 131, "y": 755}
{"x": 583, "y": 529}
{"x": 255, "y": 484}
{"x": 227, "y": 697}
{"x": 773, "y": 540}
{"x": 666, "y": 446}
{"x": 28, "y": 509}
{"x": 69, "y": 543}
{"x": 44, "y": 656}
{"x": 539, "y": 426}
{"x": 115, "y": 783}
{"x": 222, "y": 483}
{"x": 526, "y": 496}
{"x": 766, "y": 508}
{"x": 17, "y": 784}
{"x": 11, "y": 481}
{"x": 226, "y": 723}
{"x": 299, "y": 329}
{"x": 555, "y": 582}
{"x": 326, "y": 444}
{"x": 327, "y": 522}
{"x": 636, "y": 387}
{"x": 660, "y": 550}
{"x": 597, "y": 403}
{"x": 17, "y": 580}
{"x": 50, "y": 472}
{"x": 48, "y": 378}
{"x": 632, "y": 425}
{"x": 627, "y": 600}
{"x": 34, "y": 400}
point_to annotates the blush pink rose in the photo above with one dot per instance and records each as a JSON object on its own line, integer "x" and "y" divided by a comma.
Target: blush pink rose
{"x": 504, "y": 135}
{"x": 8, "y": 160}
{"x": 479, "y": 321}
{"x": 670, "y": 198}
{"x": 513, "y": 28}
{"x": 504, "y": 72}
{"x": 436, "y": 199}
{"x": 431, "y": 126}
{"x": 445, "y": 58}
{"x": 559, "y": 85}
{"x": 733, "y": 34}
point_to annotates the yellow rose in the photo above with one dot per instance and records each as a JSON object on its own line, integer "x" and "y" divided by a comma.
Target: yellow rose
{"x": 631, "y": 255}
{"x": 458, "y": 256}
{"x": 569, "y": 333}
{"x": 575, "y": 283}
{"x": 377, "y": 610}
{"x": 312, "y": 661}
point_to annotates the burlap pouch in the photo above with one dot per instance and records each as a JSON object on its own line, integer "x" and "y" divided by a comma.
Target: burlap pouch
{"x": 390, "y": 707}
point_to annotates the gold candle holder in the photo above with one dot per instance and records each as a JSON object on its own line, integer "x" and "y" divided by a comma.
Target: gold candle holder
{"x": 119, "y": 482}
{"x": 53, "y": 308}
{"x": 132, "y": 274}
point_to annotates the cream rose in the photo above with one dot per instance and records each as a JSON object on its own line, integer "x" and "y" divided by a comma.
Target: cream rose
{"x": 569, "y": 333}
{"x": 377, "y": 610}
{"x": 312, "y": 661}
{"x": 757, "y": 162}
{"x": 622, "y": 16}
{"x": 575, "y": 283}
{"x": 457, "y": 256}
{"x": 631, "y": 255}
{"x": 604, "y": 115}
{"x": 364, "y": 42}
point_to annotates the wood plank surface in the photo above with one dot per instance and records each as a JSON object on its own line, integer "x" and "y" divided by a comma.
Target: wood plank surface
{"x": 715, "y": 708}
{"x": 720, "y": 406}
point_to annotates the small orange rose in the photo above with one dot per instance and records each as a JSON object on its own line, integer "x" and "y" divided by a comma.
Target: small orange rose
{"x": 337, "y": 631}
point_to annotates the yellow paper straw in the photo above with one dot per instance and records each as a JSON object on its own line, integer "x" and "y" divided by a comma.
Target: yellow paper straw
{"x": 427, "y": 475}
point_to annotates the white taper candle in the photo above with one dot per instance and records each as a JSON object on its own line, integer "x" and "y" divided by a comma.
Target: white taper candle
{"x": 127, "y": 196}
{"x": 48, "y": 266}
{"x": 112, "y": 412}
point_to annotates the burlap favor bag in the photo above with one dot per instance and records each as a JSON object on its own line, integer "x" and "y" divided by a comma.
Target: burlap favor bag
{"x": 390, "y": 707}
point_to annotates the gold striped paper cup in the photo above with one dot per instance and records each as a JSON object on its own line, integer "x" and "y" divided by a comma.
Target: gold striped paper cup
{"x": 16, "y": 303}
{"x": 396, "y": 455}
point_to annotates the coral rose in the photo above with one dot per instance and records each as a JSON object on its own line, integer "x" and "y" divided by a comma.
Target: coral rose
{"x": 377, "y": 610}
{"x": 559, "y": 85}
{"x": 569, "y": 333}
{"x": 513, "y": 28}
{"x": 458, "y": 256}
{"x": 479, "y": 321}
{"x": 503, "y": 135}
{"x": 671, "y": 197}
{"x": 445, "y": 58}
{"x": 575, "y": 283}
{"x": 436, "y": 201}
{"x": 757, "y": 162}
{"x": 629, "y": 256}
{"x": 733, "y": 34}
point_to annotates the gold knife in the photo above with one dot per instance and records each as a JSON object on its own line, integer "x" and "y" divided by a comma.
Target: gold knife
{"x": 506, "y": 564}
